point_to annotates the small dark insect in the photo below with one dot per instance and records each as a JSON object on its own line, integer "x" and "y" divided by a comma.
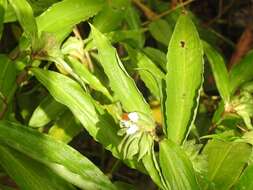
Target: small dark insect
{"x": 182, "y": 43}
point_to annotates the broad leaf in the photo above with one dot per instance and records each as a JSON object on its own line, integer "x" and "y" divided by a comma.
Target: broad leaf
{"x": 59, "y": 157}
{"x": 226, "y": 161}
{"x": 183, "y": 79}
{"x": 75, "y": 11}
{"x": 24, "y": 171}
{"x": 241, "y": 72}
{"x": 219, "y": 71}
{"x": 176, "y": 167}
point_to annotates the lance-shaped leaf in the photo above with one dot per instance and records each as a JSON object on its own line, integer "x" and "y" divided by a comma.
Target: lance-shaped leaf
{"x": 59, "y": 157}
{"x": 68, "y": 92}
{"x": 157, "y": 56}
{"x": 176, "y": 167}
{"x": 151, "y": 75}
{"x": 94, "y": 119}
{"x": 219, "y": 71}
{"x": 24, "y": 171}
{"x": 47, "y": 111}
{"x": 54, "y": 21}
{"x": 183, "y": 79}
{"x": 87, "y": 77}
{"x": 26, "y": 19}
{"x": 226, "y": 161}
{"x": 121, "y": 83}
{"x": 153, "y": 168}
{"x": 7, "y": 83}
{"x": 161, "y": 31}
{"x": 134, "y": 22}
{"x": 241, "y": 72}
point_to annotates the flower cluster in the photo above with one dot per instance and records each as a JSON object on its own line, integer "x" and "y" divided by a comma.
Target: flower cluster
{"x": 137, "y": 130}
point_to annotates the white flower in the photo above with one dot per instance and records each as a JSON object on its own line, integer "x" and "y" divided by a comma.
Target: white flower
{"x": 133, "y": 116}
{"x": 132, "y": 129}
{"x": 125, "y": 124}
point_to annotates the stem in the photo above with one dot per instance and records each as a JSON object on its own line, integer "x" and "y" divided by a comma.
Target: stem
{"x": 147, "y": 11}
{"x": 169, "y": 11}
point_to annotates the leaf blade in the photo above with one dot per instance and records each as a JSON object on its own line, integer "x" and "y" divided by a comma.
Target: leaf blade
{"x": 120, "y": 82}
{"x": 219, "y": 71}
{"x": 59, "y": 157}
{"x": 59, "y": 24}
{"x": 183, "y": 79}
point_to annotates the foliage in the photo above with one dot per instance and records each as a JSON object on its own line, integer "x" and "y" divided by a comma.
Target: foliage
{"x": 90, "y": 89}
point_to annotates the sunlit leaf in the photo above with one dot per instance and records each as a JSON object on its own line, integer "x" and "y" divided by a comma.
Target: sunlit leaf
{"x": 226, "y": 161}
{"x": 183, "y": 79}
{"x": 121, "y": 83}
{"x": 176, "y": 167}
{"x": 47, "y": 111}
{"x": 75, "y": 11}
{"x": 59, "y": 157}
{"x": 24, "y": 171}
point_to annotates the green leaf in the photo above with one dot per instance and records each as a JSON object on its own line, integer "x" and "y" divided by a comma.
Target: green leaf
{"x": 3, "y": 6}
{"x": 219, "y": 71}
{"x": 95, "y": 120}
{"x": 157, "y": 56}
{"x": 183, "y": 79}
{"x": 124, "y": 186}
{"x": 161, "y": 31}
{"x": 25, "y": 17}
{"x": 54, "y": 21}
{"x": 152, "y": 166}
{"x": 10, "y": 15}
{"x": 121, "y": 83}
{"x": 24, "y": 171}
{"x": 108, "y": 13}
{"x": 226, "y": 161}
{"x": 131, "y": 37}
{"x": 87, "y": 77}
{"x": 151, "y": 75}
{"x": 7, "y": 81}
{"x": 65, "y": 128}
{"x": 241, "y": 72}
{"x": 134, "y": 23}
{"x": 176, "y": 167}
{"x": 47, "y": 111}
{"x": 246, "y": 180}
{"x": 59, "y": 157}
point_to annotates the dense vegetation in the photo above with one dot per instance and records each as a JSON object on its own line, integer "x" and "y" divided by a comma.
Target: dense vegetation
{"x": 126, "y": 95}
